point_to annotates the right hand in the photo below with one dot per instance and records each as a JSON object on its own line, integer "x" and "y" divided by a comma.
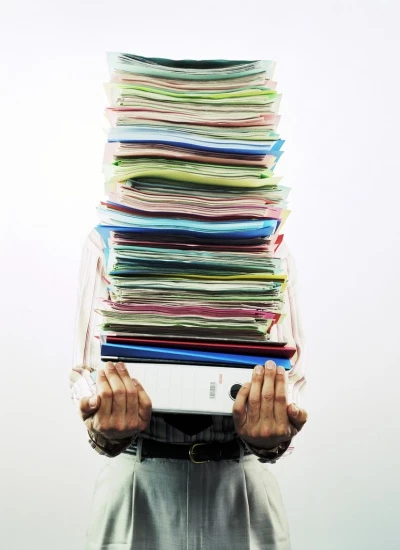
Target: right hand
{"x": 121, "y": 407}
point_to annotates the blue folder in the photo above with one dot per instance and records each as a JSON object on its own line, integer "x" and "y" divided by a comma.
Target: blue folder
{"x": 104, "y": 231}
{"x": 153, "y": 352}
{"x": 133, "y": 134}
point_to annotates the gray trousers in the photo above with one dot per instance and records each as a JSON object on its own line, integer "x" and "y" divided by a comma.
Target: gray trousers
{"x": 164, "y": 504}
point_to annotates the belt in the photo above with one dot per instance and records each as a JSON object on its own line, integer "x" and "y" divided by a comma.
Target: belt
{"x": 198, "y": 453}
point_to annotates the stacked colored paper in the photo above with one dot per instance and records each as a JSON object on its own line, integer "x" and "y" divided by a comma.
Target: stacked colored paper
{"x": 193, "y": 216}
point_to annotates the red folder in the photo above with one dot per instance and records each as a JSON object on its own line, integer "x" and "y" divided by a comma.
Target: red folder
{"x": 224, "y": 346}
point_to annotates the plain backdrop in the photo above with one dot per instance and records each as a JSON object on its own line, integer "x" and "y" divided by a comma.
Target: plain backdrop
{"x": 338, "y": 70}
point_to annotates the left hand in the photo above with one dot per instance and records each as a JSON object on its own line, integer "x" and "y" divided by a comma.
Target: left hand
{"x": 261, "y": 413}
{"x": 121, "y": 408}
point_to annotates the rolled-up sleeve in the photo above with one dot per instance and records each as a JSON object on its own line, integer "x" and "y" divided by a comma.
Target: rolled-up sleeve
{"x": 92, "y": 286}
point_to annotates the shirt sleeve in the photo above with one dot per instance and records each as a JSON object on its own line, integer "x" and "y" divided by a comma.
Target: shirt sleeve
{"x": 290, "y": 331}
{"x": 92, "y": 286}
{"x": 293, "y": 327}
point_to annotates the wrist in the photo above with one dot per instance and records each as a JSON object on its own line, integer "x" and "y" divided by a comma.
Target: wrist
{"x": 109, "y": 447}
{"x": 271, "y": 454}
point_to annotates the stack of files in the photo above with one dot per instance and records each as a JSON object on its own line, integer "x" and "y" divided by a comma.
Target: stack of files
{"x": 192, "y": 221}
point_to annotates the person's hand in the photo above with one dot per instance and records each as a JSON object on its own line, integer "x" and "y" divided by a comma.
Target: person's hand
{"x": 261, "y": 413}
{"x": 121, "y": 407}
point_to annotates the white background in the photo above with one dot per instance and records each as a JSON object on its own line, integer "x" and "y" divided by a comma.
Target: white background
{"x": 338, "y": 69}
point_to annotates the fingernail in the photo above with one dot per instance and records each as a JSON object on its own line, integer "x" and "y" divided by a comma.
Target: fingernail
{"x": 101, "y": 372}
{"x": 259, "y": 369}
{"x": 93, "y": 402}
{"x": 110, "y": 365}
{"x": 295, "y": 410}
{"x": 281, "y": 370}
{"x": 270, "y": 364}
{"x": 120, "y": 366}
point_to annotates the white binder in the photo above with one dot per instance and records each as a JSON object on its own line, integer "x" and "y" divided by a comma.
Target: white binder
{"x": 186, "y": 388}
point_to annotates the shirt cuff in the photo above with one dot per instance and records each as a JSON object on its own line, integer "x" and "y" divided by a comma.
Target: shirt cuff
{"x": 109, "y": 447}
{"x": 271, "y": 455}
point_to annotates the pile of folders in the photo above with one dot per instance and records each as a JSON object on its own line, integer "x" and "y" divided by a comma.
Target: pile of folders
{"x": 193, "y": 216}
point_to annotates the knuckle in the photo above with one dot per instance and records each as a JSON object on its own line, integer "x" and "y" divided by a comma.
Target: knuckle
{"x": 119, "y": 393}
{"x": 237, "y": 415}
{"x": 253, "y": 400}
{"x": 146, "y": 402}
{"x": 133, "y": 426}
{"x": 268, "y": 396}
{"x": 266, "y": 432}
{"x": 102, "y": 426}
{"x": 131, "y": 392}
{"x": 283, "y": 431}
{"x": 281, "y": 399}
{"x": 254, "y": 433}
{"x": 106, "y": 393}
{"x": 118, "y": 426}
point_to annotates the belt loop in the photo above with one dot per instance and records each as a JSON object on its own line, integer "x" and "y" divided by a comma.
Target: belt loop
{"x": 139, "y": 449}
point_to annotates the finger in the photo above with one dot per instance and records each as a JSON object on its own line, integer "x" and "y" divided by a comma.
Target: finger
{"x": 280, "y": 401}
{"x": 132, "y": 401}
{"x": 118, "y": 408}
{"x": 254, "y": 399}
{"x": 268, "y": 391}
{"x": 105, "y": 393}
{"x": 298, "y": 417}
{"x": 239, "y": 412}
{"x": 88, "y": 406}
{"x": 145, "y": 404}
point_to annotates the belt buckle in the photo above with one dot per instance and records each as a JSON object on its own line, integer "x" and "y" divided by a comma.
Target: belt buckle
{"x": 192, "y": 454}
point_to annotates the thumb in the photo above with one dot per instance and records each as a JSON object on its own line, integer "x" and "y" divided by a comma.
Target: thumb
{"x": 297, "y": 416}
{"x": 89, "y": 405}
